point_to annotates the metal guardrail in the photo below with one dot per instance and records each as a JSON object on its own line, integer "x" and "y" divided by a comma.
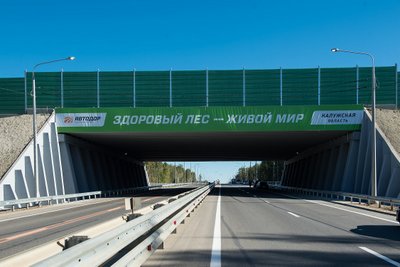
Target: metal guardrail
{"x": 385, "y": 201}
{"x": 50, "y": 199}
{"x": 154, "y": 227}
{"x": 27, "y": 202}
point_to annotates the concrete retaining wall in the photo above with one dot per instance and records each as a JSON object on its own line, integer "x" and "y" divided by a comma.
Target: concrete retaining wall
{"x": 88, "y": 167}
{"x": 344, "y": 165}
{"x": 68, "y": 165}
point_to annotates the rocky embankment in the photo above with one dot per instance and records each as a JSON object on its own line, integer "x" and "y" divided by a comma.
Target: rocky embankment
{"x": 389, "y": 122}
{"x": 15, "y": 134}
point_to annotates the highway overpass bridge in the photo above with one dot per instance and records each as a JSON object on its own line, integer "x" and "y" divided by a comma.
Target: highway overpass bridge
{"x": 247, "y": 115}
{"x": 306, "y": 117}
{"x": 89, "y": 149}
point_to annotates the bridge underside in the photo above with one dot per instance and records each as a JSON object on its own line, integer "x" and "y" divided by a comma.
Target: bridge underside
{"x": 217, "y": 146}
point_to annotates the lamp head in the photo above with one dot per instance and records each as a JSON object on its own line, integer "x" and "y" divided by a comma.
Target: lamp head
{"x": 335, "y": 50}
{"x": 70, "y": 58}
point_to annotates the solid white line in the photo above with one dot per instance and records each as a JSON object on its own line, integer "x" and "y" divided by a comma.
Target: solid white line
{"x": 338, "y": 208}
{"x": 355, "y": 212}
{"x": 266, "y": 201}
{"x": 216, "y": 246}
{"x": 395, "y": 263}
{"x": 295, "y": 215}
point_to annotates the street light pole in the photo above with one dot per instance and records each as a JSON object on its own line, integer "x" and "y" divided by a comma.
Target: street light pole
{"x": 373, "y": 133}
{"x": 35, "y": 152}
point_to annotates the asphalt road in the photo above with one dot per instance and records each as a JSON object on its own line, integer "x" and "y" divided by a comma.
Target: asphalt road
{"x": 22, "y": 230}
{"x": 269, "y": 229}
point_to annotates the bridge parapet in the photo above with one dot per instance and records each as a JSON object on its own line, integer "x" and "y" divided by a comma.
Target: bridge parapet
{"x": 247, "y": 87}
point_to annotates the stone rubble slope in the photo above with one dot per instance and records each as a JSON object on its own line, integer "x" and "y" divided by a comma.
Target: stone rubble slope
{"x": 15, "y": 134}
{"x": 389, "y": 122}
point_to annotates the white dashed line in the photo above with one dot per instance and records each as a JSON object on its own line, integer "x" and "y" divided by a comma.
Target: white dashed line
{"x": 295, "y": 215}
{"x": 339, "y": 208}
{"x": 394, "y": 263}
{"x": 216, "y": 245}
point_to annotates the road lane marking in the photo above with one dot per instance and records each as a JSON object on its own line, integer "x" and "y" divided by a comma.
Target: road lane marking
{"x": 338, "y": 208}
{"x": 148, "y": 199}
{"x": 56, "y": 225}
{"x": 216, "y": 245}
{"x": 293, "y": 214}
{"x": 60, "y": 209}
{"x": 79, "y": 205}
{"x": 266, "y": 201}
{"x": 356, "y": 212}
{"x": 376, "y": 254}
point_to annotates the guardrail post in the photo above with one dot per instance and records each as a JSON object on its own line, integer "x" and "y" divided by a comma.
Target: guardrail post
{"x": 207, "y": 87}
{"x": 134, "y": 88}
{"x": 26, "y": 91}
{"x": 170, "y": 88}
{"x": 319, "y": 86}
{"x": 244, "y": 87}
{"x": 62, "y": 87}
{"x": 281, "y": 86}
{"x": 396, "y": 86}
{"x": 98, "y": 87}
{"x": 357, "y": 84}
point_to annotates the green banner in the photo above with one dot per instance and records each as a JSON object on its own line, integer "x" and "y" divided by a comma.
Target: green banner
{"x": 209, "y": 119}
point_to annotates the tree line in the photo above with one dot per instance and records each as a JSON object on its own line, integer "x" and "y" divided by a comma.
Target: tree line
{"x": 264, "y": 171}
{"x": 162, "y": 172}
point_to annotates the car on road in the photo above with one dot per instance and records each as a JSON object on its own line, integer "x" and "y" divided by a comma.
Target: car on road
{"x": 261, "y": 185}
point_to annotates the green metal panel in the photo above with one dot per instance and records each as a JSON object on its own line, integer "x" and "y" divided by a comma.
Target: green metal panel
{"x": 262, "y": 87}
{"x": 225, "y": 87}
{"x": 300, "y": 87}
{"x": 338, "y": 86}
{"x": 189, "y": 88}
{"x": 48, "y": 84}
{"x": 386, "y": 85}
{"x": 116, "y": 89}
{"x": 397, "y": 90}
{"x": 12, "y": 96}
{"x": 80, "y": 89}
{"x": 152, "y": 88}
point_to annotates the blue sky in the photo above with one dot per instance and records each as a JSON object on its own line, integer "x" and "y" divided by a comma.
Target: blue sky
{"x": 159, "y": 35}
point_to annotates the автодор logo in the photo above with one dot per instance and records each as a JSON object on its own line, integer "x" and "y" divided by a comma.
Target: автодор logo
{"x": 81, "y": 119}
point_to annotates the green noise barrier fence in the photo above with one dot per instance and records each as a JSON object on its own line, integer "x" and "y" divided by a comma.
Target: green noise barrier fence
{"x": 200, "y": 88}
